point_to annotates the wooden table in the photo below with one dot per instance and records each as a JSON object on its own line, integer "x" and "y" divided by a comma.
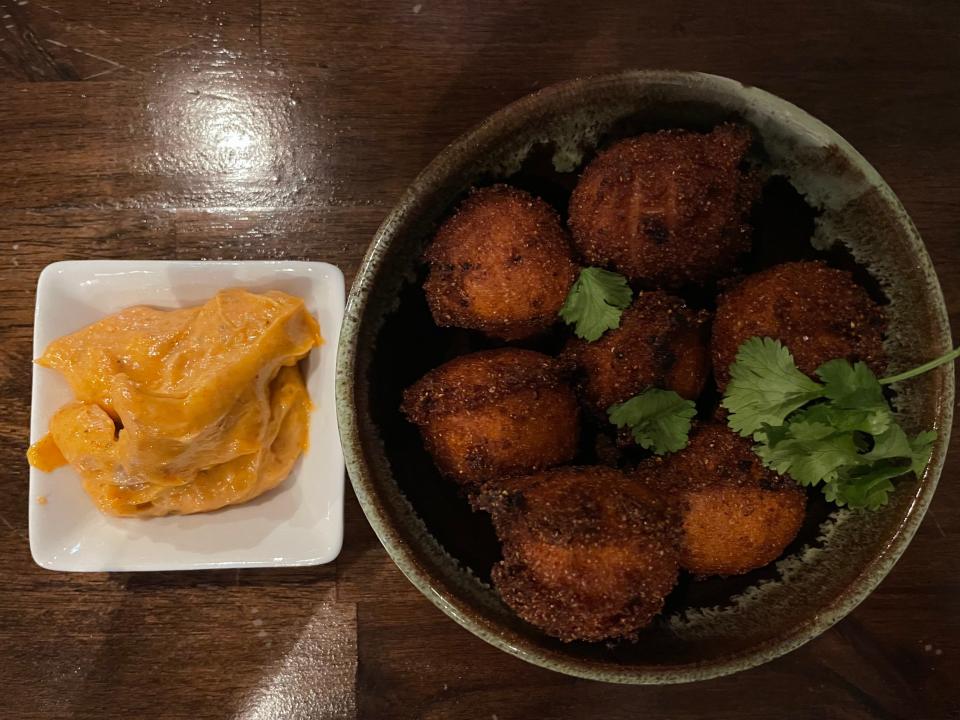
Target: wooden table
{"x": 286, "y": 129}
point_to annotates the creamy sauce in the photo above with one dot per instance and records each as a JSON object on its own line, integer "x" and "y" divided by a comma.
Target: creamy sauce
{"x": 183, "y": 411}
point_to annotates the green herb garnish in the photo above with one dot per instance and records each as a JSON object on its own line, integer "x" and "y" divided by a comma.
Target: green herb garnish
{"x": 658, "y": 419}
{"x": 765, "y": 386}
{"x": 595, "y": 302}
{"x": 840, "y": 432}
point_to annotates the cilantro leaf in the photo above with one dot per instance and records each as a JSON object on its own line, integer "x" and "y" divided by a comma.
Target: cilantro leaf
{"x": 841, "y": 434}
{"x": 852, "y": 386}
{"x": 891, "y": 444}
{"x": 595, "y": 302}
{"x": 659, "y": 419}
{"x": 765, "y": 386}
{"x": 865, "y": 486}
{"x": 809, "y": 452}
{"x": 921, "y": 448}
{"x": 873, "y": 422}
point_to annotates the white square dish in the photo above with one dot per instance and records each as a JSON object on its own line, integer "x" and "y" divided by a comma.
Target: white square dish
{"x": 298, "y": 523}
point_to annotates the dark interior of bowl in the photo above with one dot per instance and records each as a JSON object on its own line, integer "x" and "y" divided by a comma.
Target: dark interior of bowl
{"x": 705, "y": 622}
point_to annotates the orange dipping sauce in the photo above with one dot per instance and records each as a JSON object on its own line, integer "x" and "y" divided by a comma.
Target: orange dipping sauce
{"x": 183, "y": 411}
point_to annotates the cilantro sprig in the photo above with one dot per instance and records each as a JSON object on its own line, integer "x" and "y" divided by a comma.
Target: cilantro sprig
{"x": 595, "y": 302}
{"x": 659, "y": 419}
{"x": 765, "y": 386}
{"x": 839, "y": 433}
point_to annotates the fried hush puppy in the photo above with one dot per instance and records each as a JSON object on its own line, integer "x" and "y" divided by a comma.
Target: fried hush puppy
{"x": 660, "y": 343}
{"x": 736, "y": 515}
{"x": 667, "y": 208}
{"x": 495, "y": 413}
{"x": 588, "y": 554}
{"x": 501, "y": 264}
{"x": 818, "y": 312}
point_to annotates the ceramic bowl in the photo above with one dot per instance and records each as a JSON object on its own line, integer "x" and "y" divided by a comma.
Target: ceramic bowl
{"x": 708, "y": 628}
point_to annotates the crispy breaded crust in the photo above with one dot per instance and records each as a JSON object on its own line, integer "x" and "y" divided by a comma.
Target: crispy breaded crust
{"x": 479, "y": 378}
{"x": 495, "y": 413}
{"x": 660, "y": 343}
{"x": 818, "y": 312}
{"x": 666, "y": 208}
{"x": 501, "y": 263}
{"x": 737, "y": 515}
{"x": 588, "y": 554}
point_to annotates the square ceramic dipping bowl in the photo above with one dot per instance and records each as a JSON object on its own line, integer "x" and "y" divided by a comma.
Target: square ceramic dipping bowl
{"x": 298, "y": 523}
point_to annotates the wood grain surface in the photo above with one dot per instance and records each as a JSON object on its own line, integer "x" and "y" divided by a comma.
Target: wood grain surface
{"x": 286, "y": 129}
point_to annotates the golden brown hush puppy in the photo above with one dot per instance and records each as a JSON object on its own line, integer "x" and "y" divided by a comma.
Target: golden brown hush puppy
{"x": 666, "y": 208}
{"x": 501, "y": 264}
{"x": 495, "y": 413}
{"x": 736, "y": 514}
{"x": 588, "y": 554}
{"x": 660, "y": 343}
{"x": 818, "y": 312}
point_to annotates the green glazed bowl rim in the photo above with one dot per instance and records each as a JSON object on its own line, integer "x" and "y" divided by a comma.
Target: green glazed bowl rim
{"x": 362, "y": 474}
